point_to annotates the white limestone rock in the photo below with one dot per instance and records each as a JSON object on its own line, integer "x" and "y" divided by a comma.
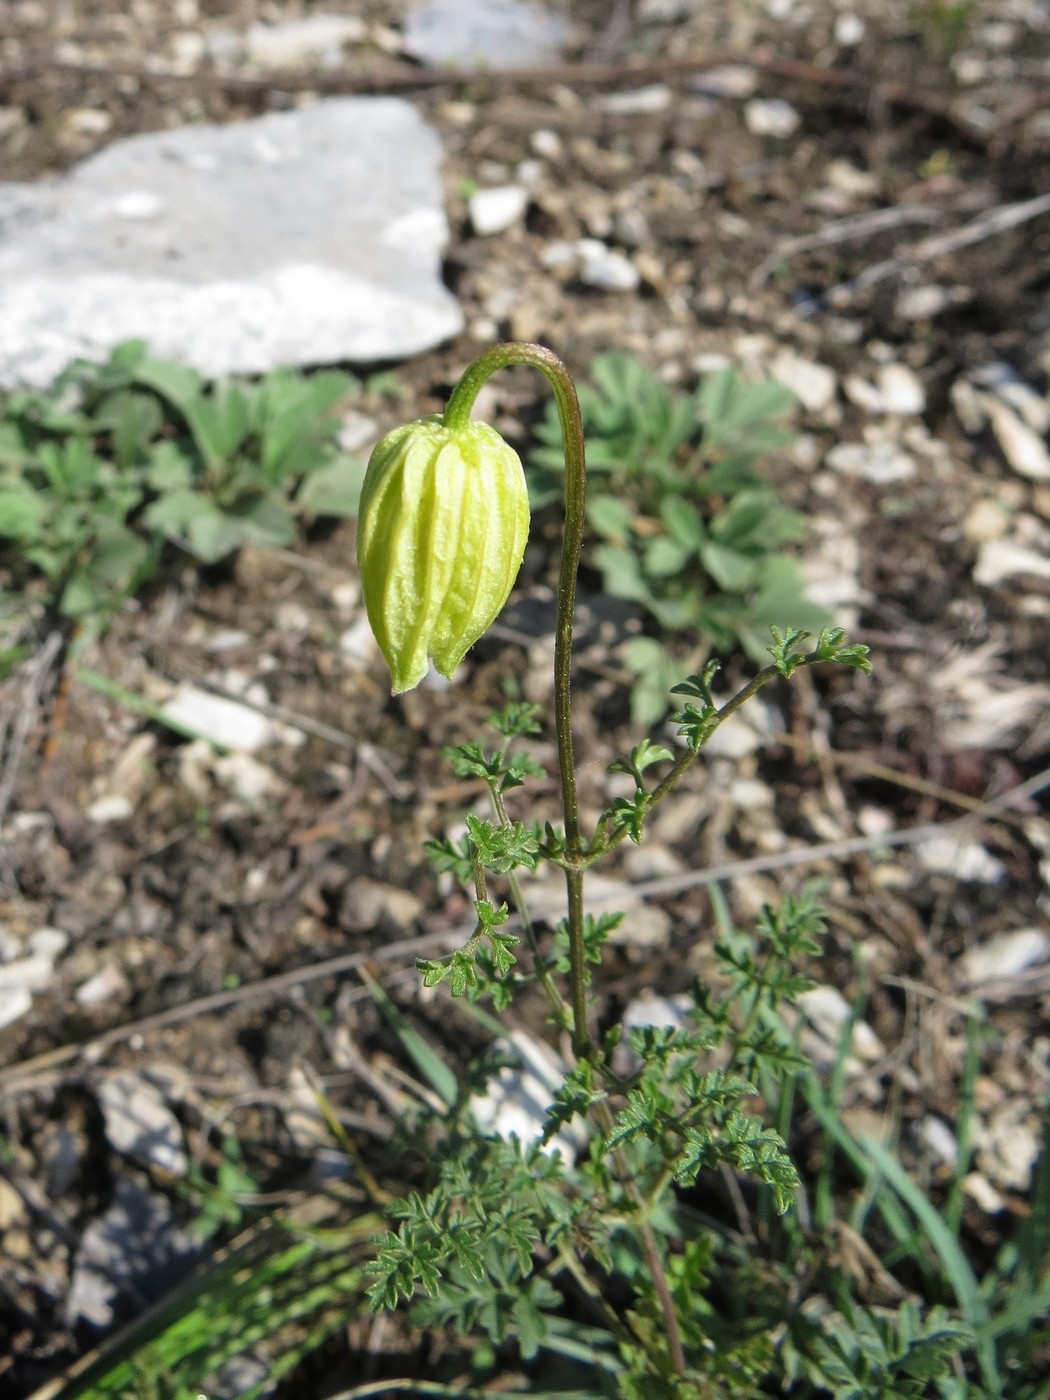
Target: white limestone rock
{"x": 496, "y": 34}
{"x": 305, "y": 237}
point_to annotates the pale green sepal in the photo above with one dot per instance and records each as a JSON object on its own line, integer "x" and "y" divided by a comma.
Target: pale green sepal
{"x": 441, "y": 531}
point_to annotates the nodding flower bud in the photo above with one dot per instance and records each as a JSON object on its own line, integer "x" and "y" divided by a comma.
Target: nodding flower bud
{"x": 441, "y": 531}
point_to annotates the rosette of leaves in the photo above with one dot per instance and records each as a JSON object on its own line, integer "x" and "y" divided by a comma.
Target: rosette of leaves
{"x": 114, "y": 461}
{"x": 687, "y": 527}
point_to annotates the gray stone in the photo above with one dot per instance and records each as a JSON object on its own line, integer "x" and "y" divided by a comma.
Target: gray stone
{"x": 493, "y": 33}
{"x": 303, "y": 237}
{"x": 140, "y": 1124}
{"x": 133, "y": 1252}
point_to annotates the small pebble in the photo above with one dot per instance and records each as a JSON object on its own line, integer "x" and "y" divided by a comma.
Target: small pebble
{"x": 771, "y": 116}
{"x": 900, "y": 389}
{"x": 14, "y": 1003}
{"x": 849, "y": 30}
{"x": 828, "y": 1011}
{"x": 728, "y": 80}
{"x": 140, "y": 1124}
{"x": 108, "y": 984}
{"x": 1022, "y": 447}
{"x": 1001, "y": 559}
{"x": 223, "y": 722}
{"x": 880, "y": 462}
{"x": 656, "y": 97}
{"x": 981, "y": 1191}
{"x": 113, "y": 807}
{"x": 935, "y": 1134}
{"x": 962, "y": 860}
{"x": 608, "y": 270}
{"x": 1004, "y": 956}
{"x": 923, "y": 303}
{"x": 813, "y": 384}
{"x": 498, "y": 209}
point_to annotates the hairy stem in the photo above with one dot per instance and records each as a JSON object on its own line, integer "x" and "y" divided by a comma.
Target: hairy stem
{"x": 457, "y": 414}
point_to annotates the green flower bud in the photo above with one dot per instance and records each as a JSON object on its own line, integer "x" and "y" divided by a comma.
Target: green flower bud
{"x": 441, "y": 531}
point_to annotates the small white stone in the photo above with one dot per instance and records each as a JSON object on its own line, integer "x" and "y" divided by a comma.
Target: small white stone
{"x": 608, "y": 270}
{"x": 32, "y": 973}
{"x": 14, "y": 1003}
{"x": 656, "y": 97}
{"x": 498, "y": 209}
{"x": 874, "y": 821}
{"x": 923, "y": 303}
{"x": 1004, "y": 956}
{"x": 546, "y": 143}
{"x": 558, "y": 253}
{"x": 1000, "y": 559}
{"x": 1023, "y": 448}
{"x": 814, "y": 384}
{"x": 229, "y": 639}
{"x": 1008, "y": 1151}
{"x": 750, "y": 794}
{"x": 771, "y": 116}
{"x": 111, "y": 807}
{"x": 962, "y": 860}
{"x": 1006, "y": 384}
{"x": 880, "y": 462}
{"x": 859, "y": 184}
{"x": 106, "y": 985}
{"x": 317, "y": 37}
{"x": 48, "y": 942}
{"x": 140, "y": 1124}
{"x": 246, "y": 778}
{"x": 644, "y": 925}
{"x": 357, "y": 430}
{"x": 735, "y": 738}
{"x": 87, "y": 121}
{"x": 728, "y": 80}
{"x": 291, "y": 616}
{"x": 900, "y": 389}
{"x": 986, "y": 520}
{"x": 849, "y": 30}
{"x": 981, "y": 1190}
{"x": 863, "y": 393}
{"x": 935, "y": 1134}
{"x": 226, "y": 723}
{"x": 530, "y": 172}
{"x": 516, "y": 1100}
{"x": 827, "y": 1011}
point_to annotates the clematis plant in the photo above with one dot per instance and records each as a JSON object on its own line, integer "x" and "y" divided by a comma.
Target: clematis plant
{"x": 442, "y": 529}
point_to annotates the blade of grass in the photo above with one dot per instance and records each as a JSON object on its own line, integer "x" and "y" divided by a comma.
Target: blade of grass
{"x": 956, "y": 1266}
{"x": 438, "y": 1074}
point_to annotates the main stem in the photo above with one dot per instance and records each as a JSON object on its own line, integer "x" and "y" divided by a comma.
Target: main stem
{"x": 457, "y": 415}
